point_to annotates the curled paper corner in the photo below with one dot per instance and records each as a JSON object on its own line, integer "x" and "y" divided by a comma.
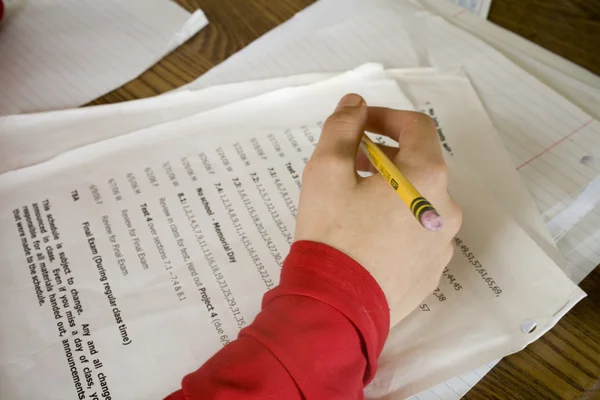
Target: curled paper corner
{"x": 582, "y": 205}
{"x": 193, "y": 25}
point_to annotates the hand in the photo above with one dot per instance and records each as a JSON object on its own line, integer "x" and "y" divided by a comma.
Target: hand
{"x": 363, "y": 217}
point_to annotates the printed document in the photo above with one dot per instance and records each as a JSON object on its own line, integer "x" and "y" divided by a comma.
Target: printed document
{"x": 141, "y": 255}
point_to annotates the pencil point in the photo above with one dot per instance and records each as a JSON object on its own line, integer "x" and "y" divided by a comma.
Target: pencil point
{"x": 431, "y": 220}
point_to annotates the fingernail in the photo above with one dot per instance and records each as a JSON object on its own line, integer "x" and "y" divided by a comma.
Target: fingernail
{"x": 350, "y": 100}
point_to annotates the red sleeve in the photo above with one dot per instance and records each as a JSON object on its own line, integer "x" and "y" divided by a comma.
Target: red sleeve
{"x": 317, "y": 337}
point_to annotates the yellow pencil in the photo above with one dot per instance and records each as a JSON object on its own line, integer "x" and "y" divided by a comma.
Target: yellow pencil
{"x": 418, "y": 205}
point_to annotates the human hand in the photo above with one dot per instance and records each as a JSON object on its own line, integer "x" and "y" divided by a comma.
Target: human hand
{"x": 363, "y": 217}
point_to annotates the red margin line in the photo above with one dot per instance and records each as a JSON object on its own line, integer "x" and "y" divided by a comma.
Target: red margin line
{"x": 555, "y": 144}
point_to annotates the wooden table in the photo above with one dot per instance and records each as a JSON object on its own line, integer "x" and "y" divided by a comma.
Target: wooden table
{"x": 564, "y": 363}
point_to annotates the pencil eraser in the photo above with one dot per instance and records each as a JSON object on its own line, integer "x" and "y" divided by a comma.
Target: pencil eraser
{"x": 431, "y": 220}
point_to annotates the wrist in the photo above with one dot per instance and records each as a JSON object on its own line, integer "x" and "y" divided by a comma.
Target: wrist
{"x": 319, "y": 271}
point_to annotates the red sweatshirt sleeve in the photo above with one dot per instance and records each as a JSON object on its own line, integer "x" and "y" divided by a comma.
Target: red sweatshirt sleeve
{"x": 318, "y": 336}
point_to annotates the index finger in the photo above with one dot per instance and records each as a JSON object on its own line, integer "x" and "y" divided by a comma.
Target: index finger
{"x": 415, "y": 133}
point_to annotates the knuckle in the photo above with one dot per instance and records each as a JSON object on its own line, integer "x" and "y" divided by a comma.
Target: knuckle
{"x": 434, "y": 282}
{"x": 449, "y": 254}
{"x": 328, "y": 162}
{"x": 309, "y": 169}
{"x": 454, "y": 219}
{"x": 431, "y": 172}
{"x": 438, "y": 169}
{"x": 312, "y": 170}
{"x": 320, "y": 166}
{"x": 434, "y": 174}
{"x": 423, "y": 121}
{"x": 340, "y": 119}
{"x": 458, "y": 218}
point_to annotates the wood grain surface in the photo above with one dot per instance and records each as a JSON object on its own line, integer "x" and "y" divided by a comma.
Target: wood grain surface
{"x": 570, "y": 28}
{"x": 564, "y": 363}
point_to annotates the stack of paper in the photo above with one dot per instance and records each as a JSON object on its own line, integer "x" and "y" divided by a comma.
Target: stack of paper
{"x": 112, "y": 238}
{"x": 547, "y": 136}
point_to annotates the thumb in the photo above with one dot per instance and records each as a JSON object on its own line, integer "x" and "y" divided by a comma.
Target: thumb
{"x": 342, "y": 131}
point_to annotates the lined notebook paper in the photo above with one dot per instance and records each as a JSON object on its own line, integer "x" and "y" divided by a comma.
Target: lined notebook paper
{"x": 546, "y": 135}
{"x": 63, "y": 53}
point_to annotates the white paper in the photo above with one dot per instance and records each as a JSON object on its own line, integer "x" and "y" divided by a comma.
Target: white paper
{"x": 426, "y": 88}
{"x": 581, "y": 245}
{"x": 29, "y": 139}
{"x": 545, "y": 134}
{"x": 477, "y": 148}
{"x": 577, "y": 84}
{"x": 480, "y": 8}
{"x": 64, "y": 53}
{"x": 547, "y": 61}
{"x": 102, "y": 179}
